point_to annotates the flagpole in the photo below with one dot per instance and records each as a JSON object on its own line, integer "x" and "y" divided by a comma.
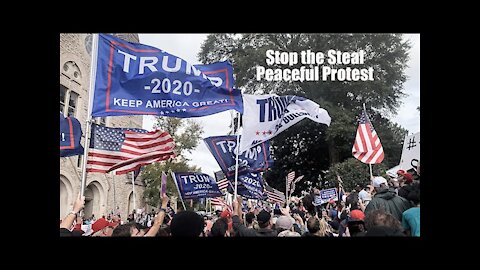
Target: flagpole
{"x": 286, "y": 189}
{"x": 133, "y": 190}
{"x": 93, "y": 74}
{"x": 114, "y": 194}
{"x": 370, "y": 165}
{"x": 160, "y": 191}
{"x": 179, "y": 194}
{"x": 236, "y": 156}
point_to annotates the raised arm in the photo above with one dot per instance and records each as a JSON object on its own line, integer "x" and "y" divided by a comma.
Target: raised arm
{"x": 78, "y": 205}
{"x": 157, "y": 223}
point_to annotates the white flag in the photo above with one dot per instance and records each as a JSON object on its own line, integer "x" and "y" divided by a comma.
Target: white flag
{"x": 264, "y": 116}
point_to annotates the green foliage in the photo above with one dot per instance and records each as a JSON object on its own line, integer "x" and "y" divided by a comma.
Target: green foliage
{"x": 352, "y": 172}
{"x": 186, "y": 134}
{"x": 300, "y": 148}
{"x": 307, "y": 147}
{"x": 391, "y": 136}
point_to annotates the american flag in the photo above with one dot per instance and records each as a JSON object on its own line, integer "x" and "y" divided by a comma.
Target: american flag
{"x": 222, "y": 183}
{"x": 290, "y": 177}
{"x": 274, "y": 195}
{"x": 367, "y": 147}
{"x": 294, "y": 182}
{"x": 221, "y": 202}
{"x": 218, "y": 201}
{"x": 126, "y": 149}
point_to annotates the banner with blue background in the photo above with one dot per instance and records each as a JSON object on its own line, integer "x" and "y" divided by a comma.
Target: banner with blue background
{"x": 137, "y": 79}
{"x": 194, "y": 185}
{"x": 255, "y": 159}
{"x": 70, "y": 137}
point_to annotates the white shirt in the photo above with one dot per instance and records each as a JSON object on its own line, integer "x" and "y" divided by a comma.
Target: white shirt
{"x": 364, "y": 196}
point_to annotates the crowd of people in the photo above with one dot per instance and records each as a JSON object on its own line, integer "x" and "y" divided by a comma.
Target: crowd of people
{"x": 383, "y": 208}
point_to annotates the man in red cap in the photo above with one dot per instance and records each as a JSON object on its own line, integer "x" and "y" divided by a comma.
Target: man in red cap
{"x": 102, "y": 227}
{"x": 404, "y": 180}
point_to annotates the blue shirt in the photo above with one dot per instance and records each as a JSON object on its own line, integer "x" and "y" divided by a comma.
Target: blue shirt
{"x": 411, "y": 220}
{"x": 333, "y": 213}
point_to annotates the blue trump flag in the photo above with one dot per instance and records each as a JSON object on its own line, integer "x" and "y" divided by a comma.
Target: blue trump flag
{"x": 70, "y": 136}
{"x": 194, "y": 185}
{"x": 249, "y": 185}
{"x": 255, "y": 159}
{"x": 136, "y": 79}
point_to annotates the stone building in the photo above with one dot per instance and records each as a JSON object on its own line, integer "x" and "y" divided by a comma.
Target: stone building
{"x": 103, "y": 192}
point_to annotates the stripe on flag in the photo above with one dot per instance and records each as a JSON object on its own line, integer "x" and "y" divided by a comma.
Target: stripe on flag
{"x": 218, "y": 201}
{"x": 222, "y": 184}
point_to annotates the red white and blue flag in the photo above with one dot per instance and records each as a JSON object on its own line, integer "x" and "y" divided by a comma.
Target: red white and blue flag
{"x": 126, "y": 149}
{"x": 367, "y": 147}
{"x": 290, "y": 177}
{"x": 274, "y": 196}
{"x": 219, "y": 201}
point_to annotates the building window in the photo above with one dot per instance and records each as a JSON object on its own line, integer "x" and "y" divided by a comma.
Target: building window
{"x": 68, "y": 99}
{"x": 63, "y": 95}
{"x": 72, "y": 104}
{"x": 88, "y": 43}
{"x": 70, "y": 88}
{"x": 79, "y": 161}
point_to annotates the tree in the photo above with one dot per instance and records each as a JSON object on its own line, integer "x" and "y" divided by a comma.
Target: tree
{"x": 186, "y": 134}
{"x": 352, "y": 172}
{"x": 309, "y": 147}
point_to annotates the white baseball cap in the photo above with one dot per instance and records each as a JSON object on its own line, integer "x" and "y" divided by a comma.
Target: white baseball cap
{"x": 378, "y": 180}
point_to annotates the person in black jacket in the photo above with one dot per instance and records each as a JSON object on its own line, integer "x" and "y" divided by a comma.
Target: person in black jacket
{"x": 405, "y": 180}
{"x": 386, "y": 199}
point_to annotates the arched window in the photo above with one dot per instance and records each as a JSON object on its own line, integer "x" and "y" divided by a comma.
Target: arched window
{"x": 68, "y": 101}
{"x": 72, "y": 104}
{"x": 69, "y": 87}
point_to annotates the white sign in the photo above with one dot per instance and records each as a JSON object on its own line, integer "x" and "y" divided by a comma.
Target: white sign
{"x": 410, "y": 152}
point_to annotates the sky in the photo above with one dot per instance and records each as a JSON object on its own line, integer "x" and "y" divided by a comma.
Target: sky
{"x": 187, "y": 46}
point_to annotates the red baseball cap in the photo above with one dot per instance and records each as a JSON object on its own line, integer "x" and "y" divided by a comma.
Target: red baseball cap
{"x": 99, "y": 225}
{"x": 408, "y": 177}
{"x": 357, "y": 215}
